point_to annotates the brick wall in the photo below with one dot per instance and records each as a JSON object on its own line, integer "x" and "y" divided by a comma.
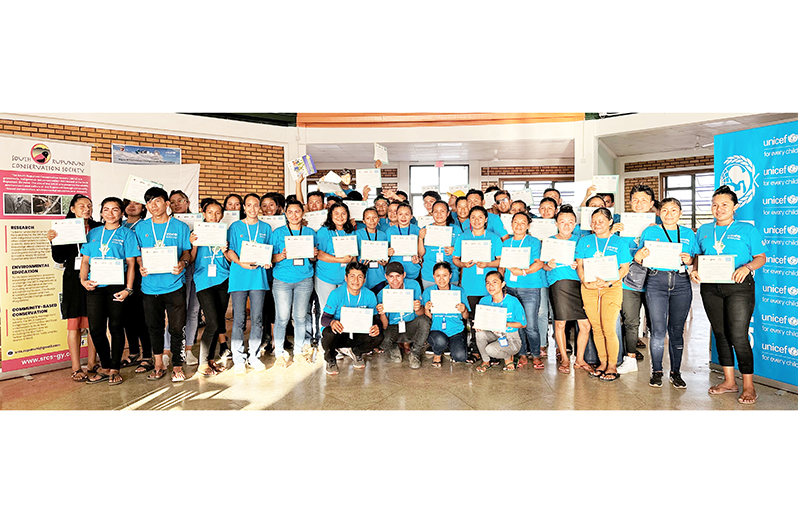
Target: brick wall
{"x": 526, "y": 171}
{"x": 225, "y": 166}
{"x": 651, "y": 181}
{"x": 673, "y": 163}
{"x": 392, "y": 176}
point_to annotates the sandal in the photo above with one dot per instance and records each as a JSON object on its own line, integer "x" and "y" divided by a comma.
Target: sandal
{"x": 156, "y": 374}
{"x": 208, "y": 371}
{"x": 79, "y": 376}
{"x": 130, "y": 361}
{"x": 115, "y": 379}
{"x": 544, "y": 352}
{"x": 596, "y": 373}
{"x": 509, "y": 366}
{"x": 538, "y": 364}
{"x": 473, "y": 358}
{"x": 565, "y": 368}
{"x": 482, "y": 367}
{"x": 614, "y": 376}
{"x": 177, "y": 375}
{"x": 436, "y": 364}
{"x": 98, "y": 377}
{"x": 144, "y": 366}
{"x": 217, "y": 367}
{"x": 93, "y": 370}
{"x": 523, "y": 361}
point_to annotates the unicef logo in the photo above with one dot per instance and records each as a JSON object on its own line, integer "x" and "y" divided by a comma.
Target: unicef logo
{"x": 793, "y": 321}
{"x": 792, "y": 229}
{"x": 739, "y": 174}
{"x": 793, "y": 351}
{"x": 792, "y": 260}
{"x": 793, "y": 291}
{"x": 792, "y": 169}
{"x": 792, "y": 138}
{"x": 792, "y": 199}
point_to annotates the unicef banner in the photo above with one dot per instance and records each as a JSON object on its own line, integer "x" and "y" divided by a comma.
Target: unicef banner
{"x": 761, "y": 165}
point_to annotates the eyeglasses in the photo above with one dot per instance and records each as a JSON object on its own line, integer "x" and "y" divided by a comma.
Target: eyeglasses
{"x": 181, "y": 200}
{"x": 503, "y": 200}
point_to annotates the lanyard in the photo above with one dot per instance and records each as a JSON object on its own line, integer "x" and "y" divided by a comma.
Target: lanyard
{"x": 214, "y": 252}
{"x": 400, "y": 230}
{"x": 104, "y": 246}
{"x": 291, "y": 232}
{"x": 678, "y": 234}
{"x": 349, "y": 298}
{"x": 459, "y": 224}
{"x": 719, "y": 243}
{"x": 257, "y": 231}
{"x": 524, "y": 239}
{"x": 161, "y": 242}
{"x": 369, "y": 236}
{"x": 597, "y": 255}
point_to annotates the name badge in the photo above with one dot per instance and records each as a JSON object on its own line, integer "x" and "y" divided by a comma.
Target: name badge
{"x": 78, "y": 262}
{"x": 212, "y": 270}
{"x": 480, "y": 270}
{"x": 402, "y": 327}
{"x": 299, "y": 261}
{"x": 443, "y": 323}
{"x": 503, "y": 341}
{"x": 513, "y": 277}
{"x": 407, "y": 258}
{"x": 373, "y": 265}
{"x": 439, "y": 257}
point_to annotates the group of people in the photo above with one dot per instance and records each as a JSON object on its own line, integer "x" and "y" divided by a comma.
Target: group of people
{"x": 319, "y": 297}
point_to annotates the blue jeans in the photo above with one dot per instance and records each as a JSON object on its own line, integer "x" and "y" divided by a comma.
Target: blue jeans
{"x": 543, "y": 317}
{"x": 669, "y": 296}
{"x": 530, "y": 301}
{"x": 313, "y": 319}
{"x": 457, "y": 346}
{"x": 192, "y": 312}
{"x": 290, "y": 300}
{"x": 240, "y": 323}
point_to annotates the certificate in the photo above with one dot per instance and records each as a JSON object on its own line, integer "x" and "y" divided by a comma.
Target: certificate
{"x": 275, "y": 221}
{"x": 716, "y": 269}
{"x": 370, "y": 177}
{"x": 425, "y": 221}
{"x": 108, "y": 271}
{"x": 230, "y": 217}
{"x": 345, "y": 246}
{"x": 136, "y": 187}
{"x": 299, "y": 247}
{"x": 561, "y": 251}
{"x": 604, "y": 267}
{"x": 524, "y": 196}
{"x": 476, "y": 250}
{"x": 507, "y": 221}
{"x": 257, "y": 253}
{"x": 426, "y": 188}
{"x": 445, "y": 302}
{"x": 210, "y": 234}
{"x": 490, "y": 199}
{"x": 380, "y": 153}
{"x": 663, "y": 255}
{"x": 454, "y": 188}
{"x": 438, "y": 236}
{"x": 331, "y": 177}
{"x": 404, "y": 245}
{"x": 586, "y": 217}
{"x": 315, "y": 219}
{"x": 606, "y": 183}
{"x": 356, "y": 209}
{"x": 159, "y": 260}
{"x": 373, "y": 250}
{"x": 397, "y": 300}
{"x": 517, "y": 257}
{"x": 301, "y": 166}
{"x": 326, "y": 187}
{"x": 189, "y": 218}
{"x": 541, "y": 228}
{"x": 69, "y": 231}
{"x": 634, "y": 223}
{"x": 357, "y": 320}
{"x": 489, "y": 318}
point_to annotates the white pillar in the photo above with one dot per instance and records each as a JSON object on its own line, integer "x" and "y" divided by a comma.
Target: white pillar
{"x": 585, "y": 150}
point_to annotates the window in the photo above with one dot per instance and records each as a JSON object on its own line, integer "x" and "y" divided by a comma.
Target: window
{"x": 441, "y": 177}
{"x": 694, "y": 191}
{"x": 538, "y": 187}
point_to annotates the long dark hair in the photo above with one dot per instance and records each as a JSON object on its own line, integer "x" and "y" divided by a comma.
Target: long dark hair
{"x": 127, "y": 202}
{"x": 114, "y": 199}
{"x": 70, "y": 213}
{"x": 240, "y": 204}
{"x": 347, "y": 227}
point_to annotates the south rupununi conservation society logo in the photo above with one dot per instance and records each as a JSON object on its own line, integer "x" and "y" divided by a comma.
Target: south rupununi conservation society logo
{"x": 40, "y": 153}
{"x": 739, "y": 174}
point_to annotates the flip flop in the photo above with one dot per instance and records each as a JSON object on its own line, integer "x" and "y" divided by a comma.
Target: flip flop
{"x": 176, "y": 378}
{"x": 604, "y": 377}
{"x": 102, "y": 377}
{"x": 156, "y": 374}
{"x": 129, "y": 362}
{"x": 714, "y": 391}
{"x": 748, "y": 402}
{"x": 596, "y": 373}
{"x": 144, "y": 366}
{"x": 564, "y": 368}
{"x": 112, "y": 382}
{"x": 78, "y": 380}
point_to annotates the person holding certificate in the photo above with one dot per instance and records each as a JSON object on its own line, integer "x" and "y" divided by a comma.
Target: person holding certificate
{"x": 460, "y": 223}
{"x": 138, "y": 339}
{"x": 601, "y": 298}
{"x": 447, "y": 328}
{"x": 73, "y": 301}
{"x": 524, "y": 280}
{"x": 179, "y": 204}
{"x": 566, "y": 296}
{"x": 403, "y": 227}
{"x": 247, "y": 280}
{"x": 293, "y": 283}
{"x": 271, "y": 204}
{"x": 234, "y": 202}
{"x": 211, "y": 275}
{"x": 433, "y": 255}
{"x": 729, "y": 306}
{"x": 411, "y": 325}
{"x": 330, "y": 269}
{"x": 668, "y": 290}
{"x": 375, "y": 274}
{"x": 340, "y": 334}
{"x": 506, "y": 343}
{"x": 547, "y": 208}
{"x": 493, "y": 223}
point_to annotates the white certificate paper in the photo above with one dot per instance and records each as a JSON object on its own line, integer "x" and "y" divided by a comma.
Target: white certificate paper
{"x": 373, "y": 250}
{"x": 507, "y": 221}
{"x": 107, "y": 271}
{"x": 275, "y": 221}
{"x": 490, "y": 199}
{"x": 397, "y": 300}
{"x": 524, "y": 196}
{"x": 606, "y": 183}
{"x": 404, "y": 245}
{"x": 380, "y": 153}
{"x": 489, "y": 318}
{"x": 454, "y": 188}
{"x": 541, "y": 228}
{"x": 438, "y": 236}
{"x": 315, "y": 219}
{"x": 230, "y": 217}
{"x": 357, "y": 320}
{"x": 327, "y": 187}
{"x": 634, "y": 223}
{"x": 189, "y": 218}
{"x": 424, "y": 221}
{"x": 716, "y": 269}
{"x": 425, "y": 188}
{"x": 69, "y": 231}
{"x": 561, "y": 251}
{"x": 136, "y": 187}
{"x": 604, "y": 267}
{"x": 159, "y": 260}
{"x": 476, "y": 250}
{"x": 210, "y": 234}
{"x": 445, "y": 302}
{"x": 345, "y": 246}
{"x": 299, "y": 247}
{"x": 663, "y": 255}
{"x": 587, "y": 216}
{"x": 517, "y": 257}
{"x": 257, "y": 253}
{"x": 370, "y": 177}
{"x": 356, "y": 209}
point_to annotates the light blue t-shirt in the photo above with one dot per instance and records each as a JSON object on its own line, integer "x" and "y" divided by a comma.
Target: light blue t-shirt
{"x": 683, "y": 235}
{"x": 454, "y": 321}
{"x": 285, "y": 270}
{"x": 411, "y": 269}
{"x": 494, "y": 225}
{"x": 537, "y": 279}
{"x": 242, "y": 279}
{"x": 333, "y": 273}
{"x": 172, "y": 233}
{"x": 122, "y": 244}
{"x": 395, "y": 317}
{"x": 433, "y": 255}
{"x": 206, "y": 255}
{"x": 340, "y": 297}
{"x": 588, "y": 246}
{"x": 374, "y": 275}
{"x": 562, "y": 272}
{"x": 741, "y": 239}
{"x": 515, "y": 311}
{"x": 474, "y": 284}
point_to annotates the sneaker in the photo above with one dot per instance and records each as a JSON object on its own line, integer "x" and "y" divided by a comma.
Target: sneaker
{"x": 415, "y": 361}
{"x": 346, "y": 351}
{"x": 240, "y": 368}
{"x": 656, "y": 379}
{"x": 256, "y": 364}
{"x": 395, "y": 354}
{"x": 359, "y": 363}
{"x": 190, "y": 359}
{"x": 332, "y": 368}
{"x": 629, "y": 365}
{"x": 677, "y": 381}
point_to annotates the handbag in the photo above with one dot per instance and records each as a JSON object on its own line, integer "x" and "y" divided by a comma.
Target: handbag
{"x": 635, "y": 279}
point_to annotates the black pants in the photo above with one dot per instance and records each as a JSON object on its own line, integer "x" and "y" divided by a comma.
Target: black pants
{"x": 213, "y": 301}
{"x": 269, "y": 314}
{"x": 360, "y": 343}
{"x": 173, "y": 305}
{"x": 729, "y": 307}
{"x": 630, "y": 314}
{"x": 105, "y": 313}
{"x": 138, "y": 339}
{"x": 473, "y": 301}
{"x": 416, "y": 332}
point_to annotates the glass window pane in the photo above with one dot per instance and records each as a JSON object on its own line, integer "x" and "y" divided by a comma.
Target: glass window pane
{"x": 681, "y": 180}
{"x": 418, "y": 205}
{"x": 421, "y": 175}
{"x": 452, "y": 175}
{"x": 567, "y": 192}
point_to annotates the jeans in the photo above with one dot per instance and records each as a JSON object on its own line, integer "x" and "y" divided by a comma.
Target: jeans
{"x": 105, "y": 313}
{"x": 544, "y": 313}
{"x": 669, "y": 296}
{"x": 290, "y": 301}
{"x": 417, "y": 332}
{"x": 138, "y": 339}
{"x": 359, "y": 343}
{"x": 174, "y": 305}
{"x": 457, "y": 347}
{"x": 313, "y": 319}
{"x": 323, "y": 290}
{"x": 630, "y": 312}
{"x": 729, "y": 308}
{"x": 530, "y": 301}
{"x": 240, "y": 323}
{"x": 214, "y": 302}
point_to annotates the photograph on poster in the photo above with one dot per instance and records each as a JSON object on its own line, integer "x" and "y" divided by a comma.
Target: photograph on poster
{"x": 17, "y": 203}
{"x": 46, "y": 204}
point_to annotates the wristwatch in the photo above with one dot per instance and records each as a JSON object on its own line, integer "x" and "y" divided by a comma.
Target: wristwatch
{"x": 129, "y": 291}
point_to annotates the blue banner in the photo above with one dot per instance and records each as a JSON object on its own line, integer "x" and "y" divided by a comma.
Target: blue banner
{"x": 761, "y": 166}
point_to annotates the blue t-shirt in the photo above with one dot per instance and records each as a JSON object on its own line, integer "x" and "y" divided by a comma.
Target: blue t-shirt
{"x": 333, "y": 273}
{"x": 340, "y": 297}
{"x": 562, "y": 272}
{"x": 616, "y": 246}
{"x": 122, "y": 244}
{"x": 515, "y": 311}
{"x": 683, "y": 235}
{"x": 433, "y": 255}
{"x": 537, "y": 279}
{"x": 395, "y": 317}
{"x": 454, "y": 321}
{"x": 383, "y": 225}
{"x": 374, "y": 275}
{"x": 411, "y": 269}
{"x": 205, "y": 255}
{"x": 741, "y": 239}
{"x": 285, "y": 270}
{"x": 242, "y": 279}
{"x": 474, "y": 284}
{"x": 494, "y": 225}
{"x": 173, "y": 233}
